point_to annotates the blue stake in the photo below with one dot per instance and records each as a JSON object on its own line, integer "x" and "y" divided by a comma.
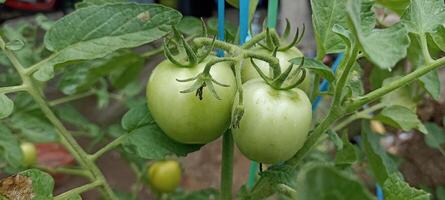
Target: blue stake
{"x": 221, "y": 16}
{"x": 243, "y": 20}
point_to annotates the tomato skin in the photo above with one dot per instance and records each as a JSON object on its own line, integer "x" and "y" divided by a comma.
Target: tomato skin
{"x": 275, "y": 123}
{"x": 249, "y": 72}
{"x": 165, "y": 176}
{"x": 183, "y": 117}
{"x": 29, "y": 154}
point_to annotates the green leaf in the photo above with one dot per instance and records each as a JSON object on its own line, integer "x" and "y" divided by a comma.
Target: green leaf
{"x": 317, "y": 67}
{"x": 379, "y": 161}
{"x": 86, "y": 3}
{"x": 396, "y": 189}
{"x": 67, "y": 113}
{"x": 424, "y": 16}
{"x": 401, "y": 96}
{"x": 121, "y": 67}
{"x": 15, "y": 45}
{"x": 439, "y": 37}
{"x": 44, "y": 22}
{"x": 229, "y": 29}
{"x": 6, "y": 106}
{"x": 147, "y": 140}
{"x": 190, "y": 26}
{"x": 383, "y": 47}
{"x": 327, "y": 183}
{"x": 252, "y": 6}
{"x": 2, "y": 1}
{"x": 325, "y": 14}
{"x": 10, "y": 151}
{"x": 348, "y": 154}
{"x": 333, "y": 136}
{"x": 401, "y": 117}
{"x": 398, "y": 6}
{"x": 435, "y": 137}
{"x": 105, "y": 29}
{"x": 431, "y": 83}
{"x": 42, "y": 184}
{"x": 34, "y": 128}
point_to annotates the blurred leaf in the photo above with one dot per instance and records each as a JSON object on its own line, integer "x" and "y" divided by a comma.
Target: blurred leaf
{"x": 103, "y": 97}
{"x": 33, "y": 128}
{"x": 10, "y": 151}
{"x": 229, "y": 29}
{"x": 132, "y": 25}
{"x": 383, "y": 47}
{"x": 333, "y": 136}
{"x": 252, "y": 6}
{"x": 204, "y": 194}
{"x": 327, "y": 183}
{"x": 70, "y": 115}
{"x": 378, "y": 76}
{"x": 431, "y": 83}
{"x": 280, "y": 174}
{"x": 435, "y": 137}
{"x": 379, "y": 161}
{"x": 316, "y": 67}
{"x": 15, "y": 45}
{"x": 348, "y": 155}
{"x": 42, "y": 184}
{"x": 44, "y": 22}
{"x": 424, "y": 16}
{"x": 189, "y": 26}
{"x": 398, "y": 6}
{"x": 86, "y": 3}
{"x": 147, "y": 140}
{"x": 396, "y": 189}
{"x": 75, "y": 197}
{"x": 6, "y": 106}
{"x": 440, "y": 193}
{"x": 401, "y": 117}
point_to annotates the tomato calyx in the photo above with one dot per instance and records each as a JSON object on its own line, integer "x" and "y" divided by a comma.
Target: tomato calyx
{"x": 273, "y": 40}
{"x": 180, "y": 44}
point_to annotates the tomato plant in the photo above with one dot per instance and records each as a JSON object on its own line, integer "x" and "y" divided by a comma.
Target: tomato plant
{"x": 260, "y": 95}
{"x": 165, "y": 176}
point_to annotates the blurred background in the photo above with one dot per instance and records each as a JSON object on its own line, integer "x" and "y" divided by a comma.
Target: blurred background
{"x": 421, "y": 165}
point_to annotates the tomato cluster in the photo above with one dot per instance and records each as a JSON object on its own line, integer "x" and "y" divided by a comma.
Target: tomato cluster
{"x": 275, "y": 122}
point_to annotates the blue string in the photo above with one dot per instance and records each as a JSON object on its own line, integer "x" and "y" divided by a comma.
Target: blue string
{"x": 221, "y": 16}
{"x": 379, "y": 192}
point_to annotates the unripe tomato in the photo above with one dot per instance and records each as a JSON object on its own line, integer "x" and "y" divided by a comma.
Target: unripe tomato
{"x": 29, "y": 154}
{"x": 165, "y": 176}
{"x": 275, "y": 123}
{"x": 183, "y": 116}
{"x": 249, "y": 72}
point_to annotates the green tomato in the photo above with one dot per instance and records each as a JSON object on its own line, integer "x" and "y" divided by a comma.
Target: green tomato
{"x": 165, "y": 176}
{"x": 275, "y": 123}
{"x": 249, "y": 72}
{"x": 29, "y": 154}
{"x": 184, "y": 117}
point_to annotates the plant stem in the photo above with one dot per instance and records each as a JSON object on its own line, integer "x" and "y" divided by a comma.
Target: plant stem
{"x": 424, "y": 47}
{"x": 108, "y": 147}
{"x": 77, "y": 191}
{"x": 152, "y": 53}
{"x": 64, "y": 170}
{"x": 358, "y": 115}
{"x": 66, "y": 99}
{"x": 11, "y": 89}
{"x": 66, "y": 138}
{"x": 227, "y": 166}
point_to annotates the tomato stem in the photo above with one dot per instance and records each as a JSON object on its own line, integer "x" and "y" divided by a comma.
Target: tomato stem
{"x": 79, "y": 190}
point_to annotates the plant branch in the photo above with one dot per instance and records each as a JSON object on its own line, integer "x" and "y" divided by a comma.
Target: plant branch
{"x": 65, "y": 170}
{"x": 78, "y": 191}
{"x": 376, "y": 94}
{"x": 424, "y": 47}
{"x": 66, "y": 99}
{"x": 365, "y": 113}
{"x": 227, "y": 166}
{"x": 118, "y": 141}
{"x": 11, "y": 89}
